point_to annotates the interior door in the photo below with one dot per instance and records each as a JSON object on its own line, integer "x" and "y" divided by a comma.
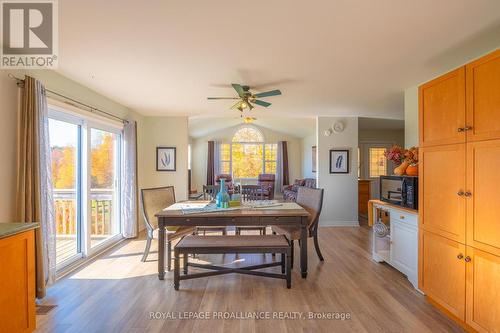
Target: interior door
{"x": 443, "y": 272}
{"x": 483, "y": 178}
{"x": 442, "y": 190}
{"x": 442, "y": 110}
{"x": 483, "y": 291}
{"x": 483, "y": 98}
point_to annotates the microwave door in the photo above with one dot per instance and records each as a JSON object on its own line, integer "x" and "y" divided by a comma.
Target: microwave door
{"x": 392, "y": 190}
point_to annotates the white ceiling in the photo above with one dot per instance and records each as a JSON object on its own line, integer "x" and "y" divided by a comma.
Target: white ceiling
{"x": 329, "y": 57}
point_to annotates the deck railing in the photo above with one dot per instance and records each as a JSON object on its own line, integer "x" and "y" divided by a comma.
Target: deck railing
{"x": 101, "y": 206}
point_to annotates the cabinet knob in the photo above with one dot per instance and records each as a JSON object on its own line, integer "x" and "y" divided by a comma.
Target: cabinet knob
{"x": 460, "y": 193}
{"x": 468, "y": 194}
{"x": 460, "y": 256}
{"x": 468, "y": 259}
{"x": 402, "y": 217}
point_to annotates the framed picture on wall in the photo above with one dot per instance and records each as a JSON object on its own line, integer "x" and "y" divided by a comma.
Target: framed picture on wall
{"x": 165, "y": 158}
{"x": 339, "y": 161}
{"x": 314, "y": 161}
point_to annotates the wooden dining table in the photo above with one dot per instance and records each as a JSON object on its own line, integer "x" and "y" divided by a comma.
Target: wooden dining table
{"x": 289, "y": 215}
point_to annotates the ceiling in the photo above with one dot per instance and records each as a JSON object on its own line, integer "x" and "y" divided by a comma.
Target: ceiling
{"x": 329, "y": 57}
{"x": 379, "y": 124}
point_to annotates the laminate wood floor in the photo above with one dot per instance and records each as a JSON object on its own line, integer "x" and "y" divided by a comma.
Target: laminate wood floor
{"x": 117, "y": 293}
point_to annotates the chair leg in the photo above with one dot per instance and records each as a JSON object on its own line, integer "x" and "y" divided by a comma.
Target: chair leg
{"x": 146, "y": 250}
{"x": 176, "y": 269}
{"x": 169, "y": 256}
{"x": 291, "y": 255}
{"x": 289, "y": 262}
{"x": 316, "y": 246}
{"x": 283, "y": 262}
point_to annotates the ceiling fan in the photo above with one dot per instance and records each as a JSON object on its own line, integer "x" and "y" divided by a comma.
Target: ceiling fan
{"x": 247, "y": 98}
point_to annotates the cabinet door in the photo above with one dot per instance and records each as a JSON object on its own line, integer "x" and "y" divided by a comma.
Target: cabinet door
{"x": 483, "y": 204}
{"x": 443, "y": 272}
{"x": 442, "y": 109}
{"x": 483, "y": 98}
{"x": 442, "y": 207}
{"x": 404, "y": 245}
{"x": 483, "y": 291}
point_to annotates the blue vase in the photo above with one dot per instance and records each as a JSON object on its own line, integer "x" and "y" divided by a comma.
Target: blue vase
{"x": 222, "y": 198}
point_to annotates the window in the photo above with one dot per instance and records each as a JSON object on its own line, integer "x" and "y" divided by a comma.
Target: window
{"x": 248, "y": 155}
{"x": 86, "y": 178}
{"x": 377, "y": 162}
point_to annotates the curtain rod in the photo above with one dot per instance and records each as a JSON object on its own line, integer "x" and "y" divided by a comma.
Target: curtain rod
{"x": 92, "y": 109}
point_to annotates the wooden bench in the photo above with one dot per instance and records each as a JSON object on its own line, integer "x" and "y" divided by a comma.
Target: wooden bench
{"x": 233, "y": 244}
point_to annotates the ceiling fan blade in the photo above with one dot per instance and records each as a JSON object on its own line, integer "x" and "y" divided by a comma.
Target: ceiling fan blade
{"x": 268, "y": 93}
{"x": 223, "y": 98}
{"x": 239, "y": 89}
{"x": 261, "y": 103}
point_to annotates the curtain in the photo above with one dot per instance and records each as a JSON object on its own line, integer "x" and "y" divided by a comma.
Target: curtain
{"x": 282, "y": 177}
{"x": 211, "y": 163}
{"x": 216, "y": 158}
{"x": 129, "y": 180}
{"x": 34, "y": 181}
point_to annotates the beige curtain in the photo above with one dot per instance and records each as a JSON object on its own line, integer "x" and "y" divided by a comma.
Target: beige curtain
{"x": 34, "y": 190}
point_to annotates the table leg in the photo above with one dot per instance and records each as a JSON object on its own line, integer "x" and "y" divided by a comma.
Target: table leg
{"x": 161, "y": 251}
{"x": 303, "y": 250}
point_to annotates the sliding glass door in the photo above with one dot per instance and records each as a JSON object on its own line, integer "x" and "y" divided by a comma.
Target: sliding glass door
{"x": 86, "y": 178}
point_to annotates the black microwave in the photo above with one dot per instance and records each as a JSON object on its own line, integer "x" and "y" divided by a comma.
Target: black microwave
{"x": 399, "y": 190}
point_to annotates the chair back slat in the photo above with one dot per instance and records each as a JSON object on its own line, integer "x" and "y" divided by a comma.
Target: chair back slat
{"x": 311, "y": 199}
{"x": 210, "y": 191}
{"x": 252, "y": 192}
{"x": 155, "y": 200}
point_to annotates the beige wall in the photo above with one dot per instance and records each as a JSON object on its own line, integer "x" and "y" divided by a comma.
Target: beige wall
{"x": 200, "y": 148}
{"x": 307, "y": 143}
{"x": 8, "y": 125}
{"x": 411, "y": 117}
{"x": 340, "y": 203}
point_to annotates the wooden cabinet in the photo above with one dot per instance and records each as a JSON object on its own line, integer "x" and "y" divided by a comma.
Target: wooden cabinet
{"x": 459, "y": 246}
{"x": 17, "y": 283}
{"x": 442, "y": 110}
{"x": 483, "y": 290}
{"x": 483, "y": 202}
{"x": 483, "y": 98}
{"x": 443, "y": 272}
{"x": 442, "y": 173}
{"x": 364, "y": 191}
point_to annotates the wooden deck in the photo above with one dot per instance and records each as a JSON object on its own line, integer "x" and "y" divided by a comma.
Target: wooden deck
{"x": 117, "y": 293}
{"x": 66, "y": 246}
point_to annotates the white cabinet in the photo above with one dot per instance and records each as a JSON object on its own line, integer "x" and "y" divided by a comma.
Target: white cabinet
{"x": 400, "y": 248}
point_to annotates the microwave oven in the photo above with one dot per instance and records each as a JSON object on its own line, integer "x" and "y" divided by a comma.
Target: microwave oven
{"x": 399, "y": 190}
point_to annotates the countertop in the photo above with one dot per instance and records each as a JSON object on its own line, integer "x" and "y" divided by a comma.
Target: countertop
{"x": 10, "y": 229}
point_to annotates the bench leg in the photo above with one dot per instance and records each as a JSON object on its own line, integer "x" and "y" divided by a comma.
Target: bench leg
{"x": 288, "y": 269}
{"x": 283, "y": 261}
{"x": 185, "y": 263}
{"x": 291, "y": 256}
{"x": 176, "y": 269}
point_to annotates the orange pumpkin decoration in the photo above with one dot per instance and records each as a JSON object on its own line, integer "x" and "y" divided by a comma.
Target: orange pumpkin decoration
{"x": 412, "y": 170}
{"x": 400, "y": 170}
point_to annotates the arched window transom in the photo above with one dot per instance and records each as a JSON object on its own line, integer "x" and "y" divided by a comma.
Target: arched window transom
{"x": 248, "y": 134}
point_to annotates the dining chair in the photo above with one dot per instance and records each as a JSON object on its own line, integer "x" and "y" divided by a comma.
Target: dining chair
{"x": 153, "y": 201}
{"x": 209, "y": 193}
{"x": 311, "y": 199}
{"x": 250, "y": 193}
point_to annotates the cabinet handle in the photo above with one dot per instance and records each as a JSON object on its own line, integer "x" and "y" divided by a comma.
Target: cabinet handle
{"x": 468, "y": 259}
{"x": 460, "y": 193}
{"x": 467, "y": 128}
{"x": 402, "y": 217}
{"x": 460, "y": 256}
{"x": 468, "y": 194}
{"x": 461, "y": 129}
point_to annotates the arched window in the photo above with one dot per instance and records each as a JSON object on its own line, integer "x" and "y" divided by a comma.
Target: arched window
{"x": 248, "y": 134}
{"x": 248, "y": 155}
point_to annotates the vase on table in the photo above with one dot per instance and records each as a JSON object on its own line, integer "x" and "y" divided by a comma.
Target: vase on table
{"x": 401, "y": 169}
{"x": 222, "y": 199}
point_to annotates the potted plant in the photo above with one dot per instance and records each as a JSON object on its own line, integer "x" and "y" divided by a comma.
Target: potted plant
{"x": 411, "y": 156}
{"x": 397, "y": 155}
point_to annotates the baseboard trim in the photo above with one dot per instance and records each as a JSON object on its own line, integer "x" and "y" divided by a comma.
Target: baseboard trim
{"x": 339, "y": 223}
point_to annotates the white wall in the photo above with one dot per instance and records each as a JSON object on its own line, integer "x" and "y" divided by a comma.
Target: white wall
{"x": 307, "y": 143}
{"x": 9, "y": 124}
{"x": 200, "y": 151}
{"x": 411, "y": 117}
{"x": 340, "y": 204}
{"x": 166, "y": 132}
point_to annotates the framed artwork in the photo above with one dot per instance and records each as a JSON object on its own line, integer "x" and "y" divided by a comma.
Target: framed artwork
{"x": 165, "y": 158}
{"x": 314, "y": 161}
{"x": 339, "y": 161}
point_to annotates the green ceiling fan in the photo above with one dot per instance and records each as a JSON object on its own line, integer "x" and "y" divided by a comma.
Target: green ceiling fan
{"x": 247, "y": 98}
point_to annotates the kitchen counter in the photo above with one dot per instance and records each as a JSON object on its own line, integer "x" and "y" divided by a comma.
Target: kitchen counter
{"x": 10, "y": 229}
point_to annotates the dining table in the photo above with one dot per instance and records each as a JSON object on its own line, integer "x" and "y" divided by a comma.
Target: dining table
{"x": 286, "y": 214}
